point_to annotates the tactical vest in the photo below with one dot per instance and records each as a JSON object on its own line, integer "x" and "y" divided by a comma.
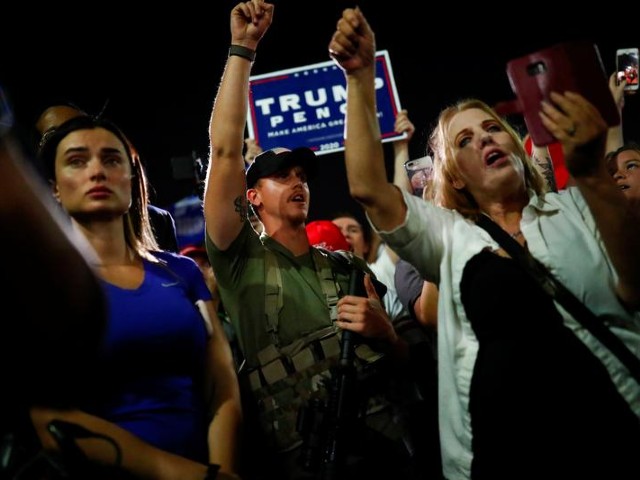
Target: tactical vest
{"x": 290, "y": 376}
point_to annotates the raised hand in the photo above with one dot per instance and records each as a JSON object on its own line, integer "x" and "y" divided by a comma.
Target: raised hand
{"x": 579, "y": 126}
{"x": 353, "y": 44}
{"x": 404, "y": 125}
{"x": 617, "y": 90}
{"x": 251, "y": 150}
{"x": 249, "y": 22}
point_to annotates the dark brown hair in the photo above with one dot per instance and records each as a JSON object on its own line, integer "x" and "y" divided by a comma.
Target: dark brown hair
{"x": 138, "y": 230}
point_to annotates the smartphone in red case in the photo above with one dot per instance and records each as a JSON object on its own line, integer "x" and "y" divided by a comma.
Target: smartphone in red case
{"x": 571, "y": 66}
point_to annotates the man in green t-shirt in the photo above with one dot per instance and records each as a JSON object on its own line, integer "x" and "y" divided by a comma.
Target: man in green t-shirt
{"x": 285, "y": 298}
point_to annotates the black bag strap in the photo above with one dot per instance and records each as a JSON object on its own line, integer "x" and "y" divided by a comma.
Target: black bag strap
{"x": 562, "y": 295}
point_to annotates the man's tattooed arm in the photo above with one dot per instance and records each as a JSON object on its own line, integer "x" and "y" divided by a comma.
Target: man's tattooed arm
{"x": 240, "y": 204}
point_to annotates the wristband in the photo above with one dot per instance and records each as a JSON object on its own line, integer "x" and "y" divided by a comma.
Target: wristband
{"x": 243, "y": 52}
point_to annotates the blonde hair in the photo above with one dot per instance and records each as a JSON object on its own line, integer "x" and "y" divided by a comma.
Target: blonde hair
{"x": 445, "y": 168}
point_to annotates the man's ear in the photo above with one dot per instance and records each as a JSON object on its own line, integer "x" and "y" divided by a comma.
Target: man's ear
{"x": 253, "y": 197}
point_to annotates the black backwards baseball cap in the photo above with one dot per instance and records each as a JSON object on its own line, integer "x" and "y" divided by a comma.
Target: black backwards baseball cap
{"x": 277, "y": 159}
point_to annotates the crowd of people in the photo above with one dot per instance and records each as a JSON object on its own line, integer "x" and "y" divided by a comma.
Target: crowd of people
{"x": 405, "y": 340}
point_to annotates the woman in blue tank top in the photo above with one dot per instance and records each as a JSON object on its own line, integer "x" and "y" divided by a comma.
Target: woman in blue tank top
{"x": 166, "y": 391}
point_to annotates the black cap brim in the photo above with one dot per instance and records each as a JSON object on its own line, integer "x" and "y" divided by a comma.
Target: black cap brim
{"x": 269, "y": 162}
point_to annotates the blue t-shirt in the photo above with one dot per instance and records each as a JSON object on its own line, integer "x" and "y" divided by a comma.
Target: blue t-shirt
{"x": 154, "y": 358}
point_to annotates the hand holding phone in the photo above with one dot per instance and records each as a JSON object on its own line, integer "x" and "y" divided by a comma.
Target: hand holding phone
{"x": 570, "y": 66}
{"x": 627, "y": 66}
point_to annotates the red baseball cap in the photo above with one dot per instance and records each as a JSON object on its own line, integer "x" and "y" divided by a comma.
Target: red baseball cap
{"x": 326, "y": 234}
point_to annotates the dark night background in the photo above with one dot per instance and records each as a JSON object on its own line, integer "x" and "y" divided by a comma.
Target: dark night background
{"x": 157, "y": 69}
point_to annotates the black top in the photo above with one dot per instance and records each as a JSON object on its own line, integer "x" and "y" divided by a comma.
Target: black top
{"x": 164, "y": 228}
{"x": 542, "y": 405}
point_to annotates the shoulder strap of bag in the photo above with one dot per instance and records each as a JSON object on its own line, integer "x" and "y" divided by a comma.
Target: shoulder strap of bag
{"x": 563, "y": 296}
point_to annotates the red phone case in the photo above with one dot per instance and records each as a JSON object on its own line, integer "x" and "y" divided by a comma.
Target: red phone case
{"x": 571, "y": 66}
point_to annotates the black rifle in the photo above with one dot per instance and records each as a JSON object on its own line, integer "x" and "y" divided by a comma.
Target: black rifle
{"x": 341, "y": 409}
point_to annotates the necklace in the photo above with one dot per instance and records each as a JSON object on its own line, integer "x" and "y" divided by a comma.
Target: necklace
{"x": 514, "y": 235}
